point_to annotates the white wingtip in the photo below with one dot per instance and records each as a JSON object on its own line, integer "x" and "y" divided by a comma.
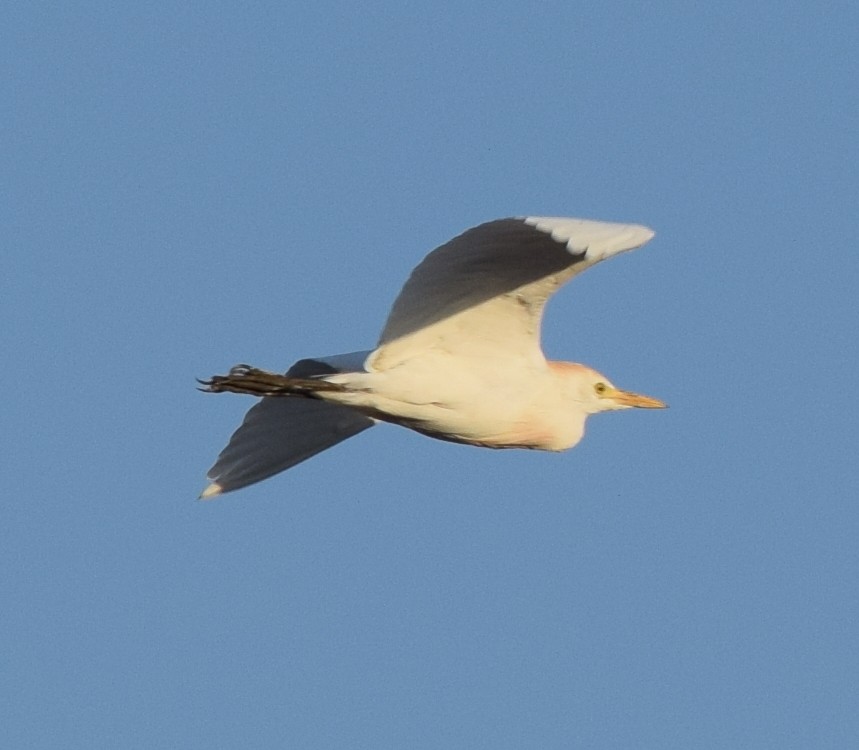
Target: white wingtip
{"x": 599, "y": 239}
{"x": 213, "y": 490}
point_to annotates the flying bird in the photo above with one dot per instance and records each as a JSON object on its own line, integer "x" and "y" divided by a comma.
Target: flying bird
{"x": 458, "y": 359}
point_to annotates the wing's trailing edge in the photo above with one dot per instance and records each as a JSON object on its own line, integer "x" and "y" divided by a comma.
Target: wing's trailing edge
{"x": 278, "y": 433}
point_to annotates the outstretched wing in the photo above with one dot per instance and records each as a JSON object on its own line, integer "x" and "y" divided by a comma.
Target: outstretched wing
{"x": 278, "y": 433}
{"x": 483, "y": 293}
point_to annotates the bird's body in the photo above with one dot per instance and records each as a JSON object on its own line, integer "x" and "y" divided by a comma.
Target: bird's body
{"x": 459, "y": 358}
{"x": 446, "y": 399}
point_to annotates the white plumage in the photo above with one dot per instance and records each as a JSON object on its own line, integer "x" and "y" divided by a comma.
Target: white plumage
{"x": 459, "y": 357}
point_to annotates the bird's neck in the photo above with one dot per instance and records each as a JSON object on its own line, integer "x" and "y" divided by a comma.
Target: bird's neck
{"x": 562, "y": 414}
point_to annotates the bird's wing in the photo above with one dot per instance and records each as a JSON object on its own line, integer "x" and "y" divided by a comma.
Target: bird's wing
{"x": 483, "y": 293}
{"x": 278, "y": 433}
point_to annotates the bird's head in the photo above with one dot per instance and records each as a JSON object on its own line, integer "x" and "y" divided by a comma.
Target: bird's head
{"x": 596, "y": 393}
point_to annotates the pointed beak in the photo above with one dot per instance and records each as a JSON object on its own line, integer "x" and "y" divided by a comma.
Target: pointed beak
{"x": 628, "y": 398}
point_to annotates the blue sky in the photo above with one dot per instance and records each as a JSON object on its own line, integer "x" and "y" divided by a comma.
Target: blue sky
{"x": 187, "y": 186}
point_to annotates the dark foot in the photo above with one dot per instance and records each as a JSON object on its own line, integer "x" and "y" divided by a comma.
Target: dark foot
{"x": 249, "y": 380}
{"x": 254, "y": 382}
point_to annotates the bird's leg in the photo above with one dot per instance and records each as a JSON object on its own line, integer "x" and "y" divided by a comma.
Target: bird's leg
{"x": 254, "y": 382}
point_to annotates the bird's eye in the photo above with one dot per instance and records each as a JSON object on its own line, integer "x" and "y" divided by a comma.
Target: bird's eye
{"x": 600, "y": 388}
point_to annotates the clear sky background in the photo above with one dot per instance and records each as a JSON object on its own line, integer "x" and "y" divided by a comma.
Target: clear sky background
{"x": 186, "y": 186}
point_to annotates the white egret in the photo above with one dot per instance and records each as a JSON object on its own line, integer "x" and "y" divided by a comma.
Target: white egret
{"x": 458, "y": 359}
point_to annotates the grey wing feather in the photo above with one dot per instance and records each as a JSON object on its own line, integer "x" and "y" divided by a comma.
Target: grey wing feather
{"x": 278, "y": 433}
{"x": 480, "y": 264}
{"x": 483, "y": 292}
